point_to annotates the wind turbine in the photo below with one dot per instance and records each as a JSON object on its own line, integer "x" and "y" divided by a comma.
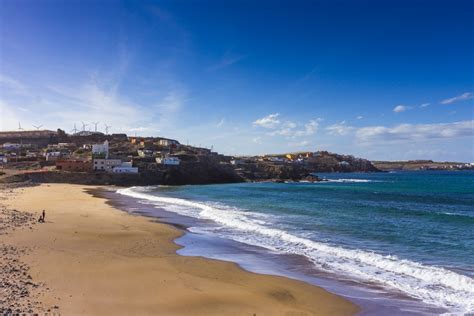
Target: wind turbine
{"x": 75, "y": 129}
{"x": 84, "y": 126}
{"x": 107, "y": 129}
{"x": 37, "y": 127}
{"x": 19, "y": 127}
{"x": 95, "y": 126}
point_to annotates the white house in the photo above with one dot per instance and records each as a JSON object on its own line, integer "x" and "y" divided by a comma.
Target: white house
{"x": 237, "y": 162}
{"x": 106, "y": 164}
{"x": 125, "y": 167}
{"x": 167, "y": 142}
{"x": 101, "y": 149}
{"x": 52, "y": 156}
{"x": 174, "y": 161}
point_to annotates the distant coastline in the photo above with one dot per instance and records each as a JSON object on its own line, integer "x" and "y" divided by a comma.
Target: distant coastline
{"x": 422, "y": 165}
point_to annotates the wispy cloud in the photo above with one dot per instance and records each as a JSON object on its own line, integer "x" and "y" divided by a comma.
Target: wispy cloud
{"x": 221, "y": 123}
{"x": 228, "y": 59}
{"x": 414, "y": 132}
{"x": 172, "y": 101}
{"x": 139, "y": 129}
{"x": 340, "y": 129}
{"x": 63, "y": 105}
{"x": 291, "y": 130}
{"x": 11, "y": 84}
{"x": 424, "y": 105}
{"x": 359, "y": 117}
{"x": 403, "y": 133}
{"x": 401, "y": 108}
{"x": 311, "y": 127}
{"x": 269, "y": 121}
{"x": 287, "y": 128}
{"x": 461, "y": 97}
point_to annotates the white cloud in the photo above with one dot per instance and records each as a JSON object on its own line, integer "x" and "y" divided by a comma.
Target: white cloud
{"x": 462, "y": 97}
{"x": 339, "y": 129}
{"x": 290, "y": 124}
{"x": 311, "y": 127}
{"x": 360, "y": 117}
{"x": 91, "y": 101}
{"x": 270, "y": 121}
{"x": 424, "y": 105}
{"x": 414, "y": 132}
{"x": 63, "y": 105}
{"x": 291, "y": 129}
{"x": 401, "y": 108}
{"x": 139, "y": 129}
{"x": 285, "y": 130}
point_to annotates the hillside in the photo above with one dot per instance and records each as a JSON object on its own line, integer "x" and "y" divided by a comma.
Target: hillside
{"x": 421, "y": 165}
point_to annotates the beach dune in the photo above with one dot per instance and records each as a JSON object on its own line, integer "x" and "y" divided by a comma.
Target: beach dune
{"x": 97, "y": 260}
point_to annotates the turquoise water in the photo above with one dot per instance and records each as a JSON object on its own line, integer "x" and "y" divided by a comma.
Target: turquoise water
{"x": 411, "y": 232}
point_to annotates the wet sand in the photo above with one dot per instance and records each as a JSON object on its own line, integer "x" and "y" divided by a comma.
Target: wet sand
{"x": 94, "y": 259}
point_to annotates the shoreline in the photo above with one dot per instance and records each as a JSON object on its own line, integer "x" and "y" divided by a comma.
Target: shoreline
{"x": 372, "y": 299}
{"x": 114, "y": 262}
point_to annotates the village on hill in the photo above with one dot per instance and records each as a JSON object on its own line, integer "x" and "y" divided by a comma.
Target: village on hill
{"x": 96, "y": 157}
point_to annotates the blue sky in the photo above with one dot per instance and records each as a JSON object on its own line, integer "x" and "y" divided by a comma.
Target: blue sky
{"x": 377, "y": 79}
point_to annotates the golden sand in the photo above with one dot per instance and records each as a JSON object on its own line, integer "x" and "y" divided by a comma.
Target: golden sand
{"x": 97, "y": 260}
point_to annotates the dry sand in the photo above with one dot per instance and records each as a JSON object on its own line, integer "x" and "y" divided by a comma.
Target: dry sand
{"x": 94, "y": 259}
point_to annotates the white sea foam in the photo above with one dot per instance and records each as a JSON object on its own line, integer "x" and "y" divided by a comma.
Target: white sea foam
{"x": 433, "y": 285}
{"x": 351, "y": 180}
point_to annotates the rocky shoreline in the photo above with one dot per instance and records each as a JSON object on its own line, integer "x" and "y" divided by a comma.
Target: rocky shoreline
{"x": 185, "y": 174}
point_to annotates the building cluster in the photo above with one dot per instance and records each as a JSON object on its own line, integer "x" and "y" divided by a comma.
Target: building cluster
{"x": 117, "y": 153}
{"x": 92, "y": 152}
{"x": 458, "y": 166}
{"x": 291, "y": 158}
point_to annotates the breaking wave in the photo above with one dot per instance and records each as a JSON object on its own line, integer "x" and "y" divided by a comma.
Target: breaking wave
{"x": 350, "y": 180}
{"x": 430, "y": 284}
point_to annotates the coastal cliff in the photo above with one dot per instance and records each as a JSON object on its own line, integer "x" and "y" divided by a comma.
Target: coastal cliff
{"x": 186, "y": 174}
{"x": 261, "y": 170}
{"x": 205, "y": 170}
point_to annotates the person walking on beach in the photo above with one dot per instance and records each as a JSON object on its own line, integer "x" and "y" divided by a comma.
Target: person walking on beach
{"x": 44, "y": 215}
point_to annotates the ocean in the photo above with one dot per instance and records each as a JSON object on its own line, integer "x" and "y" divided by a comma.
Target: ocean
{"x": 398, "y": 242}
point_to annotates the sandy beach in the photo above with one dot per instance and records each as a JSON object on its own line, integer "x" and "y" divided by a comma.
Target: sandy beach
{"x": 90, "y": 258}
